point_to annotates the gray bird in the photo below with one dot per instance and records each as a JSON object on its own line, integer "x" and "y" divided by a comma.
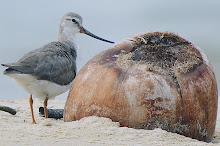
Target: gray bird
{"x": 49, "y": 71}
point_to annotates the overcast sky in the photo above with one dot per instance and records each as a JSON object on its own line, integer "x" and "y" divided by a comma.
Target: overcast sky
{"x": 26, "y": 25}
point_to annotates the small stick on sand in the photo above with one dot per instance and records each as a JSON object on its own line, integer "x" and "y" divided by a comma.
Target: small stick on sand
{"x": 8, "y": 109}
{"x": 52, "y": 113}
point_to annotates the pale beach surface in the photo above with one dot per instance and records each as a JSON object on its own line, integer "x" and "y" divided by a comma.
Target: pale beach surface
{"x": 18, "y": 130}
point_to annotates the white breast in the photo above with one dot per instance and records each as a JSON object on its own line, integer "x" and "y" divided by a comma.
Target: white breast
{"x": 39, "y": 88}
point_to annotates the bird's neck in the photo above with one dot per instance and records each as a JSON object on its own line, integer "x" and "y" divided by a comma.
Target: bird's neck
{"x": 64, "y": 36}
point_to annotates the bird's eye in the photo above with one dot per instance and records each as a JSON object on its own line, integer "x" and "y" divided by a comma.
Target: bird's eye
{"x": 74, "y": 20}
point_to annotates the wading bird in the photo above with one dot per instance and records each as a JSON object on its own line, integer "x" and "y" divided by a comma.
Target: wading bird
{"x": 49, "y": 71}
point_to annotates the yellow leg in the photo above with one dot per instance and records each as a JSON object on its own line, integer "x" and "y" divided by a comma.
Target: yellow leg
{"x": 45, "y": 107}
{"x": 32, "y": 112}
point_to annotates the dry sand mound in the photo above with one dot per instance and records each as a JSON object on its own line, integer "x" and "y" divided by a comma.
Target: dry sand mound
{"x": 18, "y": 129}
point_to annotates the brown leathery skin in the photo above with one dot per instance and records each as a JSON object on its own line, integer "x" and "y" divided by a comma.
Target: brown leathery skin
{"x": 151, "y": 80}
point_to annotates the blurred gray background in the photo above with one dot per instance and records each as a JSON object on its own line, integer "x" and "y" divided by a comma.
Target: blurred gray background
{"x": 27, "y": 25}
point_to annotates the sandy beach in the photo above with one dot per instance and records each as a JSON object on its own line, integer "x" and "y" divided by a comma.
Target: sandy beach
{"x": 18, "y": 130}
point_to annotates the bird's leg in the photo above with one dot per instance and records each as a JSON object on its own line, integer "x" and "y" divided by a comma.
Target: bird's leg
{"x": 32, "y": 112}
{"x": 45, "y": 107}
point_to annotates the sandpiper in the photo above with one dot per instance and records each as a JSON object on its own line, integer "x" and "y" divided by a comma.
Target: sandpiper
{"x": 49, "y": 71}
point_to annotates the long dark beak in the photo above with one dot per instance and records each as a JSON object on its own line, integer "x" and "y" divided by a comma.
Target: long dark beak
{"x": 83, "y": 30}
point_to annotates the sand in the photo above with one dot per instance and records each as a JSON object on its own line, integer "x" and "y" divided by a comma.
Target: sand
{"x": 18, "y": 130}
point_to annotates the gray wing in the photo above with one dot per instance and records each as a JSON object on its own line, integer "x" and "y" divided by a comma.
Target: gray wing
{"x": 54, "y": 62}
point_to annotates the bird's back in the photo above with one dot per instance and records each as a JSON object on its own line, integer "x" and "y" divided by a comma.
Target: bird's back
{"x": 55, "y": 62}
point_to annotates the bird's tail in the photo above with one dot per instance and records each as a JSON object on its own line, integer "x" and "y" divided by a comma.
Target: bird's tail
{"x": 9, "y": 70}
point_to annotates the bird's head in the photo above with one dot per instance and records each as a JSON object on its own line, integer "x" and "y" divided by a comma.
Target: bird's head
{"x": 71, "y": 24}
